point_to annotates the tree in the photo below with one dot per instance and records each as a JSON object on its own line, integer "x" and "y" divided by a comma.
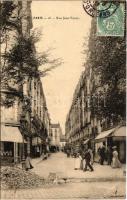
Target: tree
{"x": 22, "y": 59}
{"x": 107, "y": 58}
{"x": 6, "y": 23}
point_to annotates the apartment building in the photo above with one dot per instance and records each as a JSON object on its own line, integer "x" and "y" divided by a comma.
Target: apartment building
{"x": 25, "y": 123}
{"x": 55, "y": 135}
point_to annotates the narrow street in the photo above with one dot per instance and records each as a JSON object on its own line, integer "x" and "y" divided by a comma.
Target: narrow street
{"x": 63, "y": 100}
{"x": 63, "y": 166}
{"x": 104, "y": 182}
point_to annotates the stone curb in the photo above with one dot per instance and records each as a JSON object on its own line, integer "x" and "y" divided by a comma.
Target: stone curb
{"x": 107, "y": 179}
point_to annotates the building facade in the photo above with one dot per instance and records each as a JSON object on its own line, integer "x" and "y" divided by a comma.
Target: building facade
{"x": 13, "y": 143}
{"x": 78, "y": 122}
{"x": 40, "y": 119}
{"x": 62, "y": 142}
{"x": 86, "y": 125}
{"x": 55, "y": 135}
{"x": 26, "y": 123}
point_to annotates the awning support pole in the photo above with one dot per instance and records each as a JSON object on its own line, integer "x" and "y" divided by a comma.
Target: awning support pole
{"x": 23, "y": 155}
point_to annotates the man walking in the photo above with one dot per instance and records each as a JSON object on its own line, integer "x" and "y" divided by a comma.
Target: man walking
{"x": 87, "y": 157}
{"x": 102, "y": 154}
{"x": 109, "y": 155}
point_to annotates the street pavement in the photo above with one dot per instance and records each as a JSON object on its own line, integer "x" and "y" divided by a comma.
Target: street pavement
{"x": 71, "y": 191}
{"x": 98, "y": 188}
{"x": 64, "y": 167}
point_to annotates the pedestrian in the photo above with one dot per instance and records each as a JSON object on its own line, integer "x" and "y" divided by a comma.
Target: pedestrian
{"x": 115, "y": 160}
{"x": 38, "y": 151}
{"x": 109, "y": 155}
{"x": 81, "y": 163}
{"x": 68, "y": 153}
{"x": 28, "y": 164}
{"x": 87, "y": 157}
{"x": 45, "y": 155}
{"x": 102, "y": 153}
{"x": 42, "y": 155}
{"x": 77, "y": 161}
{"x": 91, "y": 154}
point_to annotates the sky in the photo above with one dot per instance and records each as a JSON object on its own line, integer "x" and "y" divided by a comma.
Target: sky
{"x": 65, "y": 27}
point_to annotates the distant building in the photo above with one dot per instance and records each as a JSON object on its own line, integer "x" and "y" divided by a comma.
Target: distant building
{"x": 55, "y": 135}
{"x": 62, "y": 141}
{"x": 78, "y": 122}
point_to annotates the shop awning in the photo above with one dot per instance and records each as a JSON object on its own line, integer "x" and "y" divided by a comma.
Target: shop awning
{"x": 119, "y": 133}
{"x": 86, "y": 141}
{"x": 10, "y": 134}
{"x": 104, "y": 134}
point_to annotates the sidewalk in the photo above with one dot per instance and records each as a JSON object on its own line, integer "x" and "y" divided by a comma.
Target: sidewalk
{"x": 64, "y": 167}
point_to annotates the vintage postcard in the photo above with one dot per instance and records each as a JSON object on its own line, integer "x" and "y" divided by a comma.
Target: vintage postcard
{"x": 63, "y": 99}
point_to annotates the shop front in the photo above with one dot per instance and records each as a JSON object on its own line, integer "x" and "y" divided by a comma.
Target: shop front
{"x": 36, "y": 147}
{"x": 11, "y": 144}
{"x": 103, "y": 137}
{"x": 119, "y": 140}
{"x": 113, "y": 137}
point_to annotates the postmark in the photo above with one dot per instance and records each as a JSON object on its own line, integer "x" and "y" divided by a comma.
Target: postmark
{"x": 100, "y": 8}
{"x": 113, "y": 25}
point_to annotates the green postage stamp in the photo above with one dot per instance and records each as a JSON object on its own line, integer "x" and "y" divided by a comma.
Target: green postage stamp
{"x": 112, "y": 25}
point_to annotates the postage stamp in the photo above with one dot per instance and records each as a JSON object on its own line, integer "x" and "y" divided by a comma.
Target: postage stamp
{"x": 100, "y": 8}
{"x": 114, "y": 24}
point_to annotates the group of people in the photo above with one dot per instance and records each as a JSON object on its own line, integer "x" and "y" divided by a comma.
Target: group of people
{"x": 84, "y": 160}
{"x": 109, "y": 154}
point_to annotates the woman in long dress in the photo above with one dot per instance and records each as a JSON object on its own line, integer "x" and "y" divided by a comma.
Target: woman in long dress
{"x": 28, "y": 164}
{"x": 77, "y": 161}
{"x": 115, "y": 160}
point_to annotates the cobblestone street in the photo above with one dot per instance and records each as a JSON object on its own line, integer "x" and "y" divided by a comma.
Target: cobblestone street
{"x": 77, "y": 187}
